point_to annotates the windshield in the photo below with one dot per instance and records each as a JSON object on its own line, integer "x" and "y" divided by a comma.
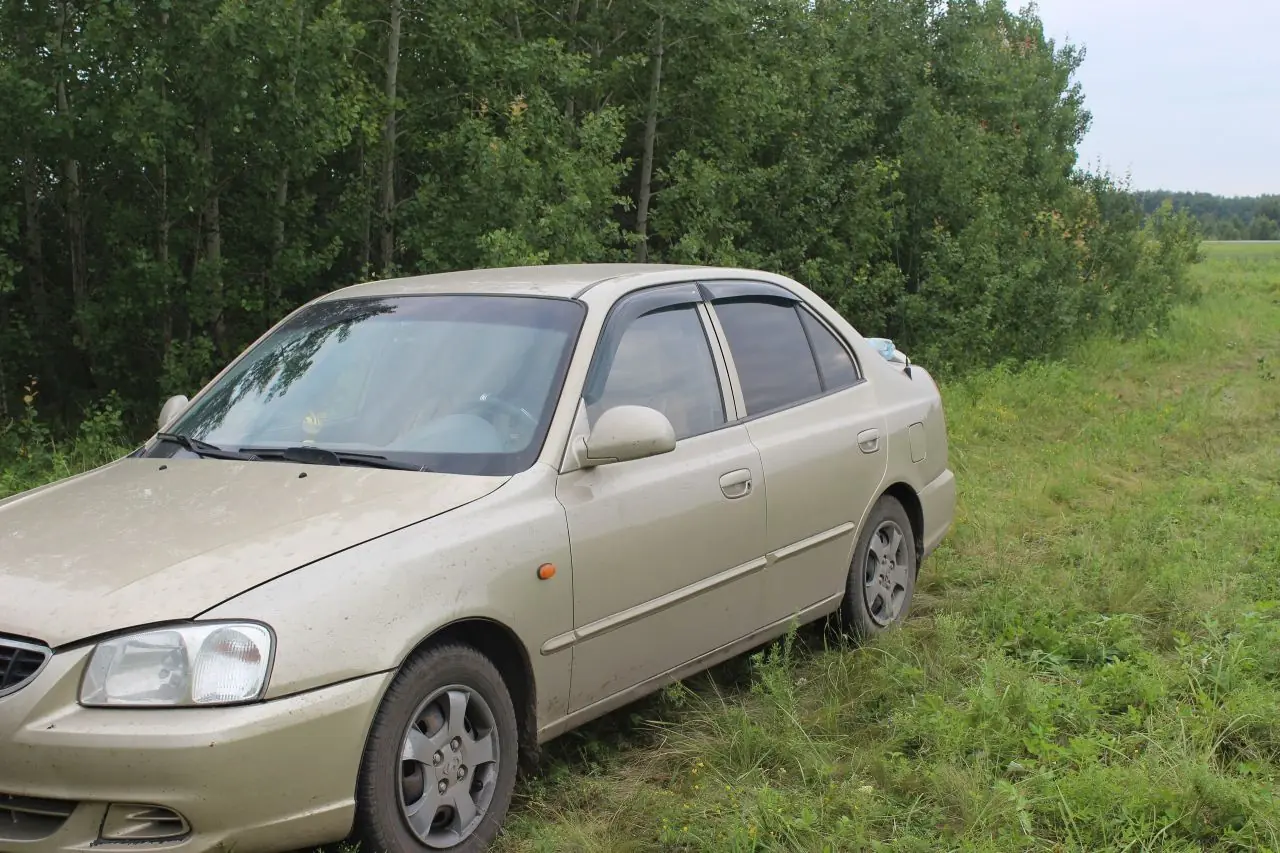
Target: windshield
{"x": 456, "y": 384}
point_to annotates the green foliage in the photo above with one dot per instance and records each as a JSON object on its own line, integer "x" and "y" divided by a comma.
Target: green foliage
{"x": 175, "y": 177}
{"x": 32, "y": 456}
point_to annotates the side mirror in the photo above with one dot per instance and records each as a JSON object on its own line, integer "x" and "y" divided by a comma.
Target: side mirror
{"x": 624, "y": 433}
{"x": 171, "y": 409}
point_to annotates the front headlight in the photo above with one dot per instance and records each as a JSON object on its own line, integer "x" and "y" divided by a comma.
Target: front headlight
{"x": 196, "y": 665}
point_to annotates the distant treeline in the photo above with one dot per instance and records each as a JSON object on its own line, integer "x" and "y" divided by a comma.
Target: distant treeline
{"x": 1220, "y": 218}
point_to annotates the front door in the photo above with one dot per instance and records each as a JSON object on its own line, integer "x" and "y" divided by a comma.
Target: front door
{"x": 668, "y": 550}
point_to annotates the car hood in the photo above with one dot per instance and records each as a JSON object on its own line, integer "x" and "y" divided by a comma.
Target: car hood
{"x": 142, "y": 541}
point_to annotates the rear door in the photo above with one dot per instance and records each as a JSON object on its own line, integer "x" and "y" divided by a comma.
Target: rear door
{"x": 819, "y": 431}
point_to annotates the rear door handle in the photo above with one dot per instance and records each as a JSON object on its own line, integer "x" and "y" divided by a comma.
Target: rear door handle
{"x": 869, "y": 440}
{"x": 736, "y": 484}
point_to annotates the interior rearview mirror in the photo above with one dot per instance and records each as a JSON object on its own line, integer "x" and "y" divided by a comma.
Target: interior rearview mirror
{"x": 624, "y": 433}
{"x": 171, "y": 409}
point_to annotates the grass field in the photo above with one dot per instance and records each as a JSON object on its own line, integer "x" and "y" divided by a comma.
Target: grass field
{"x": 1092, "y": 665}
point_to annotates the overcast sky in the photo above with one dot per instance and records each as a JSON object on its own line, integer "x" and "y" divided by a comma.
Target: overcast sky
{"x": 1185, "y": 94}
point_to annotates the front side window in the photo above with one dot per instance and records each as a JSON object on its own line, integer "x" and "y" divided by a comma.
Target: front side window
{"x": 449, "y": 383}
{"x": 770, "y": 351}
{"x": 663, "y": 361}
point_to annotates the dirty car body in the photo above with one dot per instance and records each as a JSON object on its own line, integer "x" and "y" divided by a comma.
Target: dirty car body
{"x": 424, "y": 525}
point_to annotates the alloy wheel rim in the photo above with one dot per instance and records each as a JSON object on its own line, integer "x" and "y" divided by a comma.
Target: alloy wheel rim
{"x": 448, "y": 767}
{"x": 885, "y": 574}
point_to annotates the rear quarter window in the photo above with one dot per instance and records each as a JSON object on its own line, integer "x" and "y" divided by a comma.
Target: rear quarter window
{"x": 836, "y": 368}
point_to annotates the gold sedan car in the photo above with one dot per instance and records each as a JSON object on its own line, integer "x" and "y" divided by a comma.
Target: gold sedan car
{"x": 423, "y": 526}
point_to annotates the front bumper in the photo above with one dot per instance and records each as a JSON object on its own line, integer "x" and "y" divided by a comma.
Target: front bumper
{"x": 279, "y": 775}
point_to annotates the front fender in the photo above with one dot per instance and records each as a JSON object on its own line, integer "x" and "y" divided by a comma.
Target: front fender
{"x": 364, "y": 610}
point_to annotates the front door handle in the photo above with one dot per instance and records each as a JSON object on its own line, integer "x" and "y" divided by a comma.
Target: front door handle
{"x": 869, "y": 440}
{"x": 736, "y": 484}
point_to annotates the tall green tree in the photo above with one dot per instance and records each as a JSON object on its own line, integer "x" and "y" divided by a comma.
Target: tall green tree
{"x": 176, "y": 177}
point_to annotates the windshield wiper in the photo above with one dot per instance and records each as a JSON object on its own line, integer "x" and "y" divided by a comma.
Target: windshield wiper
{"x": 203, "y": 448}
{"x": 312, "y": 455}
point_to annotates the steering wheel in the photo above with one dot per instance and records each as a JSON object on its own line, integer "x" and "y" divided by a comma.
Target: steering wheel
{"x": 492, "y": 401}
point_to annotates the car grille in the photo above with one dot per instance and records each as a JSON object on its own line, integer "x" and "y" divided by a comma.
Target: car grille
{"x": 20, "y": 662}
{"x": 31, "y": 818}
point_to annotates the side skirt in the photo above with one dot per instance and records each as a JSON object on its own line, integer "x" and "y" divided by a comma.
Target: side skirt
{"x": 623, "y": 697}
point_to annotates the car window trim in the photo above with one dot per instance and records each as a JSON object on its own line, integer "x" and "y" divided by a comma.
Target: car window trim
{"x": 839, "y": 339}
{"x": 642, "y": 303}
{"x": 741, "y": 288}
{"x": 621, "y": 315}
{"x": 765, "y": 291}
{"x": 720, "y": 359}
{"x": 813, "y": 350}
{"x": 731, "y": 382}
{"x": 705, "y": 292}
{"x": 804, "y": 401}
{"x": 713, "y": 289}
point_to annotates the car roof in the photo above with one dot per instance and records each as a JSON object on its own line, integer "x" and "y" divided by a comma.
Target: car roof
{"x": 561, "y": 280}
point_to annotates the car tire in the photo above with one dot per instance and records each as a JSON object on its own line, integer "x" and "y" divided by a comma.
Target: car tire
{"x": 439, "y": 767}
{"x": 882, "y": 575}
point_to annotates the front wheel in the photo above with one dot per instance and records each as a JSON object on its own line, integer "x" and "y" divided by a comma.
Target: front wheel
{"x": 440, "y": 765}
{"x": 882, "y": 577}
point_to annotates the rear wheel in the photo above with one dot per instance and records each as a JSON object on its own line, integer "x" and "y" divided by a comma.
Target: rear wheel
{"x": 440, "y": 765}
{"x": 882, "y": 577}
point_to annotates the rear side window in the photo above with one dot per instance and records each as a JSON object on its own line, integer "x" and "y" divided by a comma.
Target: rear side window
{"x": 771, "y": 352}
{"x": 835, "y": 365}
